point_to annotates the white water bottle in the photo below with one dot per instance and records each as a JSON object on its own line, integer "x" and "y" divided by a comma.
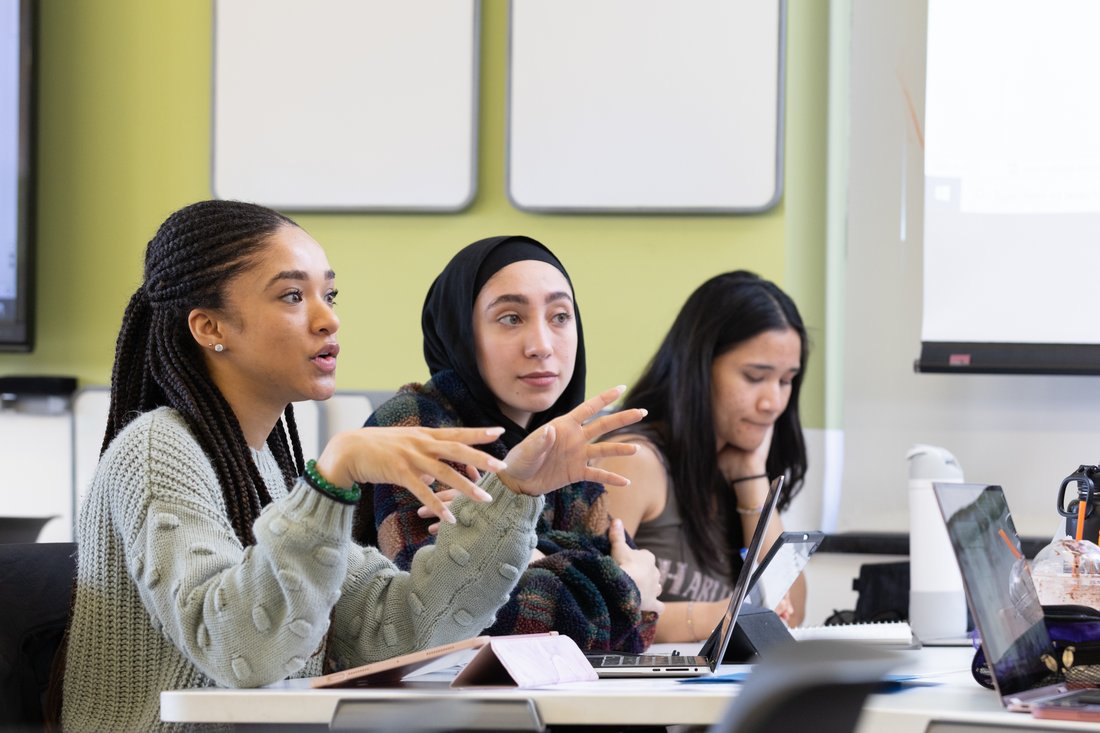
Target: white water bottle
{"x": 937, "y": 603}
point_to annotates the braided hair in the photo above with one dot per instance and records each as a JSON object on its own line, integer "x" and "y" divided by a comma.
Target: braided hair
{"x": 196, "y": 251}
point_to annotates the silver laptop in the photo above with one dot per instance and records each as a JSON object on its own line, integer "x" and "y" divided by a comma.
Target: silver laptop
{"x": 1005, "y": 606}
{"x": 612, "y": 664}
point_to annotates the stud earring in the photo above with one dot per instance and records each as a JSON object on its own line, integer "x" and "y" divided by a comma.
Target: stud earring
{"x": 219, "y": 348}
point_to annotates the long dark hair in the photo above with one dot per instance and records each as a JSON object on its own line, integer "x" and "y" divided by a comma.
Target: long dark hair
{"x": 196, "y": 251}
{"x": 722, "y": 313}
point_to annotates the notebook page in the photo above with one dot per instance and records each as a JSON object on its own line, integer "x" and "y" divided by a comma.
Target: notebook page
{"x": 889, "y": 633}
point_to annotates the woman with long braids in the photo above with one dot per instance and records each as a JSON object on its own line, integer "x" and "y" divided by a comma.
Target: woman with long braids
{"x": 210, "y": 553}
{"x": 504, "y": 344}
{"x": 722, "y": 400}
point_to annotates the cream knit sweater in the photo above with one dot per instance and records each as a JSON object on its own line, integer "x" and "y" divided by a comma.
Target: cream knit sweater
{"x": 167, "y": 598}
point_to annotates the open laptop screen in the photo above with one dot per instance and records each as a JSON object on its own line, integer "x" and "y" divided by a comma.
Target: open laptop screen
{"x": 998, "y": 584}
{"x": 724, "y": 631}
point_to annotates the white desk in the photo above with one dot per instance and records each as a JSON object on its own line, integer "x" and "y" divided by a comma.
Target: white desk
{"x": 957, "y": 699}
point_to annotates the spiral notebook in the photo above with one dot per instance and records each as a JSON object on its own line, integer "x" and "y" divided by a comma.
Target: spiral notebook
{"x": 880, "y": 633}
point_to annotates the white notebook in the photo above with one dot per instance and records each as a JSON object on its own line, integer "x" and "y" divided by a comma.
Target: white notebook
{"x": 888, "y": 633}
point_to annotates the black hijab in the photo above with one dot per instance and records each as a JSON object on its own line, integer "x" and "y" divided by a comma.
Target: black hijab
{"x": 447, "y": 322}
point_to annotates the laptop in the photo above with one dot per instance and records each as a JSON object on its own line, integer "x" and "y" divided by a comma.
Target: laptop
{"x": 1005, "y": 605}
{"x": 612, "y": 664}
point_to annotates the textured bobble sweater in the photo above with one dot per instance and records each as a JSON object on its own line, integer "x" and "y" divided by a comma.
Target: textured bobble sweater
{"x": 167, "y": 598}
{"x": 577, "y": 589}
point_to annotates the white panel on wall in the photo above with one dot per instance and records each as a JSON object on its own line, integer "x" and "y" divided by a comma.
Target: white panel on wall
{"x": 90, "y": 408}
{"x": 34, "y": 447}
{"x": 344, "y": 411}
{"x": 1012, "y": 170}
{"x": 645, "y": 105}
{"x": 346, "y": 104}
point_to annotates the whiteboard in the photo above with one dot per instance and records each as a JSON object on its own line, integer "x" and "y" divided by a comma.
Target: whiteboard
{"x": 646, "y": 105}
{"x": 346, "y": 104}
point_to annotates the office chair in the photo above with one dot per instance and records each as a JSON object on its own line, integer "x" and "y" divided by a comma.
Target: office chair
{"x": 817, "y": 685}
{"x": 36, "y": 582}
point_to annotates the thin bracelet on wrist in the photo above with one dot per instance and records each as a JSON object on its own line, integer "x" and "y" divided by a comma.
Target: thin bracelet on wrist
{"x": 741, "y": 479}
{"x": 748, "y": 478}
{"x": 314, "y": 478}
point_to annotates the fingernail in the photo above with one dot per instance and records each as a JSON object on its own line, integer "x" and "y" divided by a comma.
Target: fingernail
{"x": 483, "y": 494}
{"x": 643, "y": 411}
{"x": 497, "y": 465}
{"x": 494, "y": 431}
{"x": 621, "y": 388}
{"x": 448, "y": 517}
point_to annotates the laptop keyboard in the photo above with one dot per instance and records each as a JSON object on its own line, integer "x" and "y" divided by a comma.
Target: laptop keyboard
{"x": 643, "y": 660}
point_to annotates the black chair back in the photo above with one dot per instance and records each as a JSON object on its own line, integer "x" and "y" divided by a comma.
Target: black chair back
{"x": 807, "y": 685}
{"x": 36, "y": 583}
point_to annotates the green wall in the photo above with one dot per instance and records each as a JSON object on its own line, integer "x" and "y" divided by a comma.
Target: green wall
{"x": 124, "y": 139}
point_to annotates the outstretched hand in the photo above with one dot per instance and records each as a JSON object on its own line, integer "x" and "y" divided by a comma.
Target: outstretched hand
{"x": 557, "y": 454}
{"x": 413, "y": 458}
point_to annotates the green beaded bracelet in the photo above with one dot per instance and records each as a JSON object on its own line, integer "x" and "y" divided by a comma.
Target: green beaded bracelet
{"x": 314, "y": 478}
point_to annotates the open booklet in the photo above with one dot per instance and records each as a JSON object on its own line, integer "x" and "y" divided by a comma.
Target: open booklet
{"x": 518, "y": 660}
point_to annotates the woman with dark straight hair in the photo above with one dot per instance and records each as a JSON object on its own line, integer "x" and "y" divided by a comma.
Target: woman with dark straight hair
{"x": 722, "y": 397}
{"x": 210, "y": 552}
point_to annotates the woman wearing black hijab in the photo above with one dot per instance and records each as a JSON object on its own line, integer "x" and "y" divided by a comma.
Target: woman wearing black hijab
{"x": 504, "y": 345}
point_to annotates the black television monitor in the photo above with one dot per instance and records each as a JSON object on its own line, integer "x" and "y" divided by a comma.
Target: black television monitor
{"x": 17, "y": 122}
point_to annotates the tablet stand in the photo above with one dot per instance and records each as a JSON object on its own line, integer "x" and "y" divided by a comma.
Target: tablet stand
{"x": 758, "y": 630}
